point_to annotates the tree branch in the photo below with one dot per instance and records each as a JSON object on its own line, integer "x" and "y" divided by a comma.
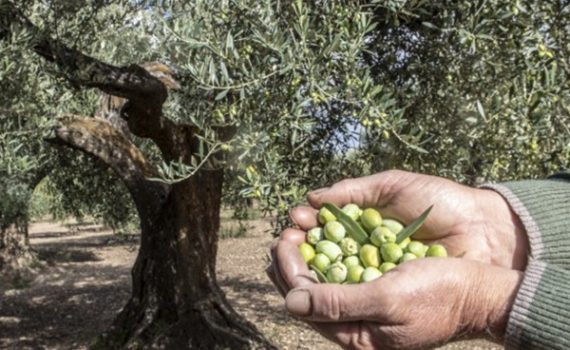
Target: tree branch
{"x": 98, "y": 138}
{"x": 144, "y": 91}
{"x": 132, "y": 82}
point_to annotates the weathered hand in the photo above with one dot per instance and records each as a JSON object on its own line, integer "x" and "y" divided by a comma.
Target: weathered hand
{"x": 420, "y": 303}
{"x": 417, "y": 305}
{"x": 475, "y": 222}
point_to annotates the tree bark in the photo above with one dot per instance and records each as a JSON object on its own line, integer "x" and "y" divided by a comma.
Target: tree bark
{"x": 176, "y": 302}
{"x": 16, "y": 255}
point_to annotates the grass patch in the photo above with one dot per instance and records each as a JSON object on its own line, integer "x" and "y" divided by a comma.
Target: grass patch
{"x": 233, "y": 229}
{"x": 242, "y": 215}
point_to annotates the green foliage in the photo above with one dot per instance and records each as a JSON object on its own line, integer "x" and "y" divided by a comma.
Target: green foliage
{"x": 34, "y": 95}
{"x": 232, "y": 231}
{"x": 314, "y": 92}
{"x": 74, "y": 191}
{"x": 287, "y": 76}
{"x": 485, "y": 86}
{"x": 16, "y": 174}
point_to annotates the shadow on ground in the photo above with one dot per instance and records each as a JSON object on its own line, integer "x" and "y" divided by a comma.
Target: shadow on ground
{"x": 47, "y": 317}
{"x": 251, "y": 294}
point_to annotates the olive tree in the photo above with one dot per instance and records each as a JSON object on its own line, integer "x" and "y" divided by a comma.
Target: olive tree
{"x": 256, "y": 83}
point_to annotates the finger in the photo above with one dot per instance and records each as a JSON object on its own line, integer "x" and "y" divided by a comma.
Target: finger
{"x": 346, "y": 334}
{"x": 291, "y": 239}
{"x": 273, "y": 270}
{"x": 305, "y": 217}
{"x": 334, "y": 303}
{"x": 270, "y": 271}
{"x": 367, "y": 191}
{"x": 292, "y": 267}
{"x": 293, "y": 235}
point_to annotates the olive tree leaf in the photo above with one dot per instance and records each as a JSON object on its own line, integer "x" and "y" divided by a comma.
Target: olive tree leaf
{"x": 353, "y": 229}
{"x": 413, "y": 227}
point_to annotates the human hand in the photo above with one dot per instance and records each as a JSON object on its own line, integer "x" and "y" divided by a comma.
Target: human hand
{"x": 392, "y": 311}
{"x": 475, "y": 223}
{"x": 419, "y": 304}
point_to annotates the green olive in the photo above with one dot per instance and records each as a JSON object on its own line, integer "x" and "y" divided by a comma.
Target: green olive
{"x": 337, "y": 273}
{"x": 354, "y": 274}
{"x": 349, "y": 246}
{"x": 330, "y": 249}
{"x": 369, "y": 255}
{"x": 387, "y": 266}
{"x": 334, "y": 231}
{"x": 394, "y": 225}
{"x": 391, "y": 252}
{"x": 315, "y": 235}
{"x": 436, "y": 250}
{"x": 321, "y": 262}
{"x": 352, "y": 210}
{"x": 382, "y": 235}
{"x": 407, "y": 257}
{"x": 403, "y": 244}
{"x": 370, "y": 219}
{"x": 351, "y": 261}
{"x": 370, "y": 274}
{"x": 417, "y": 248}
{"x": 325, "y": 216}
{"x": 307, "y": 251}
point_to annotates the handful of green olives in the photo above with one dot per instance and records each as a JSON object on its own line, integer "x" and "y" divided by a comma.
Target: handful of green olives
{"x": 355, "y": 245}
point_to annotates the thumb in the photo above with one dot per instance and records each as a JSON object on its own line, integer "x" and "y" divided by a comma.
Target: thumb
{"x": 363, "y": 191}
{"x": 333, "y": 302}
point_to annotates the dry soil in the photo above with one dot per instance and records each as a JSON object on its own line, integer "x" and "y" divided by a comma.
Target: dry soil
{"x": 85, "y": 280}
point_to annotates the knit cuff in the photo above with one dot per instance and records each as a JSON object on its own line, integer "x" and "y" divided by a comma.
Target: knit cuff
{"x": 544, "y": 209}
{"x": 540, "y": 317}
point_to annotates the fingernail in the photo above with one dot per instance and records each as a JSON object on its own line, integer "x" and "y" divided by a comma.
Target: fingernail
{"x": 298, "y": 302}
{"x": 319, "y": 191}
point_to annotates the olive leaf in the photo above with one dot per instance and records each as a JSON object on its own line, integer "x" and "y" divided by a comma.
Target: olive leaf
{"x": 353, "y": 229}
{"x": 320, "y": 276}
{"x": 413, "y": 227}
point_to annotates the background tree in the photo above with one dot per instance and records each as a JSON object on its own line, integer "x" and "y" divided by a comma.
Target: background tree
{"x": 249, "y": 71}
{"x": 471, "y": 90}
{"x": 483, "y": 87}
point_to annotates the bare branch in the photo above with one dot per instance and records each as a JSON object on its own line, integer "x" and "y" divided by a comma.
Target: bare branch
{"x": 132, "y": 82}
{"x": 140, "y": 89}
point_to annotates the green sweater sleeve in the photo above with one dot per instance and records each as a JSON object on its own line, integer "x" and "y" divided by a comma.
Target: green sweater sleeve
{"x": 544, "y": 209}
{"x": 540, "y": 318}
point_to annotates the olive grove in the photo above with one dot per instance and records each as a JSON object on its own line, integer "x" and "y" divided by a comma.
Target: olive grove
{"x": 163, "y": 105}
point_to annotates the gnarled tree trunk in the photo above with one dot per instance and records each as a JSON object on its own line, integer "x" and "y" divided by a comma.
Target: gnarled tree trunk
{"x": 176, "y": 302}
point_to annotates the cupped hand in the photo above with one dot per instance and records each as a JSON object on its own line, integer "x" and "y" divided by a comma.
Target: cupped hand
{"x": 477, "y": 224}
{"x": 419, "y": 304}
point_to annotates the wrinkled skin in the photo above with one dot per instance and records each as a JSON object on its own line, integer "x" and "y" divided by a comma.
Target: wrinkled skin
{"x": 422, "y": 303}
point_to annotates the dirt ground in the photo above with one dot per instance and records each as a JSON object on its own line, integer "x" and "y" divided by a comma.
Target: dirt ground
{"x": 86, "y": 280}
